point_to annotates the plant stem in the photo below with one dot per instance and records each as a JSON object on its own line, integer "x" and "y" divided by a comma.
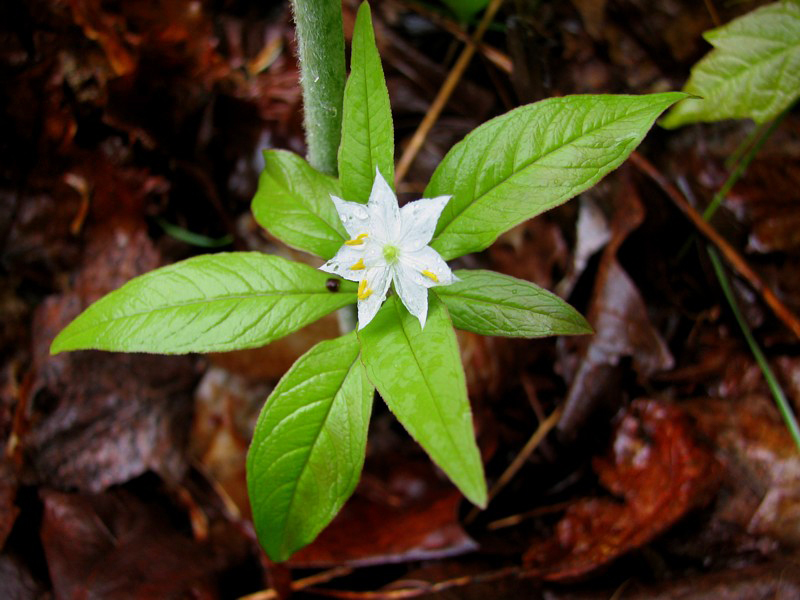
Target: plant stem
{"x": 760, "y": 139}
{"x": 777, "y": 393}
{"x": 320, "y": 41}
{"x": 743, "y": 161}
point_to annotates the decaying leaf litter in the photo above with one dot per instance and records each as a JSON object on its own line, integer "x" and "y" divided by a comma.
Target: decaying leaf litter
{"x": 123, "y": 476}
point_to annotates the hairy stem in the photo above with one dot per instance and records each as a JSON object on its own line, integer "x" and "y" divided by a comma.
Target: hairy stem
{"x": 320, "y": 41}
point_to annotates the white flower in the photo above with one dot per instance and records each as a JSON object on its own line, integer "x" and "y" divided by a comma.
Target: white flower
{"x": 390, "y": 244}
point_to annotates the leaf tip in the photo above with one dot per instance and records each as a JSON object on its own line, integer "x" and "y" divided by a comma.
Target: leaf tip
{"x": 680, "y": 114}
{"x": 60, "y": 343}
{"x": 364, "y": 9}
{"x": 481, "y": 500}
{"x": 56, "y": 347}
{"x": 277, "y": 554}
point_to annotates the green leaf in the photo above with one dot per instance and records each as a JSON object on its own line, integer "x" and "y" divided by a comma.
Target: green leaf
{"x": 534, "y": 158}
{"x": 308, "y": 447}
{"x": 293, "y": 203}
{"x": 466, "y": 9}
{"x": 489, "y": 303}
{"x": 753, "y": 71}
{"x": 367, "y": 133}
{"x": 209, "y": 303}
{"x": 418, "y": 373}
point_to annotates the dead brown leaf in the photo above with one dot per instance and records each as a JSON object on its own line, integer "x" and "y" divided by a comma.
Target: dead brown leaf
{"x": 114, "y": 545}
{"x": 87, "y": 427}
{"x": 402, "y": 510}
{"x": 619, "y": 316}
{"x": 761, "y": 484}
{"x": 657, "y": 469}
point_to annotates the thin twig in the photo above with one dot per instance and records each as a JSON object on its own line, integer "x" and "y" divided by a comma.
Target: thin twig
{"x": 499, "y": 59}
{"x": 521, "y": 458}
{"x": 712, "y": 11}
{"x": 419, "y": 588}
{"x": 301, "y": 584}
{"x": 513, "y": 520}
{"x": 415, "y": 144}
{"x": 729, "y": 252}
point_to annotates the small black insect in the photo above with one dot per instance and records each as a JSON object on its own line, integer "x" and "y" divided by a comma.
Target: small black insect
{"x": 332, "y": 285}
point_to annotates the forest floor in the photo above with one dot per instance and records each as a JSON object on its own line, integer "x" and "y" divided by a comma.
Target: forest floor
{"x": 652, "y": 460}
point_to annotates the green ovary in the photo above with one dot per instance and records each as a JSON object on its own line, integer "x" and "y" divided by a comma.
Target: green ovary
{"x": 391, "y": 253}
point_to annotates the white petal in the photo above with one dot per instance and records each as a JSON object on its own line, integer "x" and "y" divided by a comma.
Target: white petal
{"x": 418, "y": 221}
{"x": 354, "y": 216}
{"x": 373, "y": 253}
{"x": 345, "y": 258}
{"x": 384, "y": 214}
{"x": 378, "y": 280}
{"x": 427, "y": 259}
{"x": 413, "y": 294}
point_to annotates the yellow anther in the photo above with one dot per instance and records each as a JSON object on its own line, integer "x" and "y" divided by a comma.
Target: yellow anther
{"x": 431, "y": 275}
{"x": 359, "y": 239}
{"x": 363, "y": 291}
{"x": 358, "y": 266}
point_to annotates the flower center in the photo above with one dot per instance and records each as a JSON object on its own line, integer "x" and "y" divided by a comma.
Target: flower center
{"x": 391, "y": 253}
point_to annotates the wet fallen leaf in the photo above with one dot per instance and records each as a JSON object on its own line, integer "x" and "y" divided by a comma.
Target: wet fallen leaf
{"x": 761, "y": 483}
{"x": 114, "y": 545}
{"x": 225, "y": 413}
{"x": 401, "y": 511}
{"x": 766, "y": 200}
{"x": 270, "y": 362}
{"x": 89, "y": 428}
{"x": 779, "y": 580}
{"x": 592, "y": 14}
{"x": 16, "y": 580}
{"x": 8, "y": 507}
{"x": 658, "y": 471}
{"x": 619, "y": 316}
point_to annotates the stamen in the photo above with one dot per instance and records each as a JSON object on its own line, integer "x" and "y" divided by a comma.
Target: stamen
{"x": 431, "y": 275}
{"x": 359, "y": 239}
{"x": 358, "y": 266}
{"x": 363, "y": 291}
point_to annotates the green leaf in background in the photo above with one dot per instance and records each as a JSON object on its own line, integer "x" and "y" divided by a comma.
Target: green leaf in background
{"x": 308, "y": 447}
{"x": 209, "y": 303}
{"x": 489, "y": 303}
{"x": 418, "y": 373}
{"x": 190, "y": 237}
{"x": 293, "y": 203}
{"x": 367, "y": 132}
{"x": 465, "y": 9}
{"x": 534, "y": 158}
{"x": 753, "y": 71}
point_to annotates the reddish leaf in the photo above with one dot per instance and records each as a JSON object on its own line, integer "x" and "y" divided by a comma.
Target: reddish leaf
{"x": 766, "y": 199}
{"x": 622, "y": 326}
{"x": 593, "y": 15}
{"x": 8, "y": 494}
{"x": 225, "y": 413}
{"x": 17, "y": 582}
{"x": 114, "y": 545}
{"x": 779, "y": 579}
{"x": 660, "y": 473}
{"x": 401, "y": 511}
{"x": 533, "y": 251}
{"x": 762, "y": 473}
{"x": 90, "y": 427}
